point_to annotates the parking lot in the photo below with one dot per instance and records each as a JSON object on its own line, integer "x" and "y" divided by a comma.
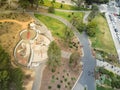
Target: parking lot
{"x": 114, "y": 25}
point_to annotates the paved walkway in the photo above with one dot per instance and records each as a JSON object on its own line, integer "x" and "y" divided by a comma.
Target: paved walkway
{"x": 38, "y": 77}
{"x": 108, "y": 66}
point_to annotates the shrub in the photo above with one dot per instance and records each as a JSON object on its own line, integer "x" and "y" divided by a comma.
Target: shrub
{"x": 57, "y": 78}
{"x": 51, "y": 9}
{"x": 49, "y": 87}
{"x": 65, "y": 79}
{"x": 61, "y": 81}
{"x": 53, "y": 76}
{"x": 59, "y": 86}
{"x": 66, "y": 86}
{"x": 68, "y": 83}
{"x": 52, "y": 80}
{"x": 74, "y": 60}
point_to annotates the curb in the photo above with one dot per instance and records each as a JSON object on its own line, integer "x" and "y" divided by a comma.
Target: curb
{"x": 77, "y": 81}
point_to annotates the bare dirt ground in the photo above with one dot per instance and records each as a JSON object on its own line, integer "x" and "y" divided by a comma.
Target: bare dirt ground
{"x": 10, "y": 27}
{"x": 62, "y": 79}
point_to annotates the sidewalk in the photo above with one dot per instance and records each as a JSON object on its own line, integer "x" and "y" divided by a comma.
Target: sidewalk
{"x": 109, "y": 67}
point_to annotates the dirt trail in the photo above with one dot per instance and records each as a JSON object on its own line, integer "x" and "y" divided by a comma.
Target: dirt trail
{"x": 23, "y": 24}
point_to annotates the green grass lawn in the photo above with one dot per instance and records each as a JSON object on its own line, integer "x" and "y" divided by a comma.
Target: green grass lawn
{"x": 56, "y": 27}
{"x": 58, "y": 5}
{"x": 103, "y": 39}
{"x": 69, "y": 15}
{"x": 103, "y": 88}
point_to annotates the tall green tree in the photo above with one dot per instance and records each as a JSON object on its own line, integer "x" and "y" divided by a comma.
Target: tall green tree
{"x": 92, "y": 28}
{"x": 54, "y": 55}
{"x": 94, "y": 12}
{"x": 9, "y": 77}
{"x": 17, "y": 78}
{"x": 68, "y": 35}
{"x": 24, "y": 3}
{"x": 81, "y": 26}
{"x": 4, "y": 79}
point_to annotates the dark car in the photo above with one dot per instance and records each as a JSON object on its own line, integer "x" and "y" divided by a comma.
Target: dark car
{"x": 115, "y": 30}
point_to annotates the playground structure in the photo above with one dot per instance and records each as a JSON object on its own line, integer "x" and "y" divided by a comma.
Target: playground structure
{"x": 31, "y": 50}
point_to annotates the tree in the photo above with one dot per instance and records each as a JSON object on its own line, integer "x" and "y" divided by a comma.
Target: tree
{"x": 51, "y": 9}
{"x": 68, "y": 36}
{"x": 31, "y": 2}
{"x": 74, "y": 60}
{"x": 4, "y": 80}
{"x": 54, "y": 55}
{"x": 81, "y": 26}
{"x": 36, "y": 2}
{"x": 8, "y": 75}
{"x": 17, "y": 78}
{"x": 74, "y": 21}
{"x": 91, "y": 28}
{"x": 41, "y": 1}
{"x": 94, "y": 12}
{"x": 95, "y": 7}
{"x": 24, "y": 3}
{"x": 53, "y": 1}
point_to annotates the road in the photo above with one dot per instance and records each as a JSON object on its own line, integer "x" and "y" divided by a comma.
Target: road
{"x": 89, "y": 63}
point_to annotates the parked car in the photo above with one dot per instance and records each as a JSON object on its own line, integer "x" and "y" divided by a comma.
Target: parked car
{"x": 115, "y": 30}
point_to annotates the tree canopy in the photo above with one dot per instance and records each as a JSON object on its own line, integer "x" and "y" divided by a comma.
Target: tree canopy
{"x": 9, "y": 77}
{"x": 74, "y": 60}
{"x": 92, "y": 28}
{"x": 54, "y": 55}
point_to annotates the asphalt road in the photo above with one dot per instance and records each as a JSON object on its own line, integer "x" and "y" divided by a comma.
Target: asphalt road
{"x": 87, "y": 79}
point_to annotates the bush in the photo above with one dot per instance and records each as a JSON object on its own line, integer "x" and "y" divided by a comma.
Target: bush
{"x": 74, "y": 60}
{"x": 53, "y": 76}
{"x": 65, "y": 79}
{"x": 49, "y": 87}
{"x": 59, "y": 86}
{"x": 51, "y": 9}
{"x": 54, "y": 56}
{"x": 92, "y": 29}
{"x": 57, "y": 78}
{"x": 61, "y": 81}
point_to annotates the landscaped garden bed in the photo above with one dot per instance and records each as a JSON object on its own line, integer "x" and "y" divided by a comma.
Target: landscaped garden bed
{"x": 62, "y": 79}
{"x": 106, "y": 80}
